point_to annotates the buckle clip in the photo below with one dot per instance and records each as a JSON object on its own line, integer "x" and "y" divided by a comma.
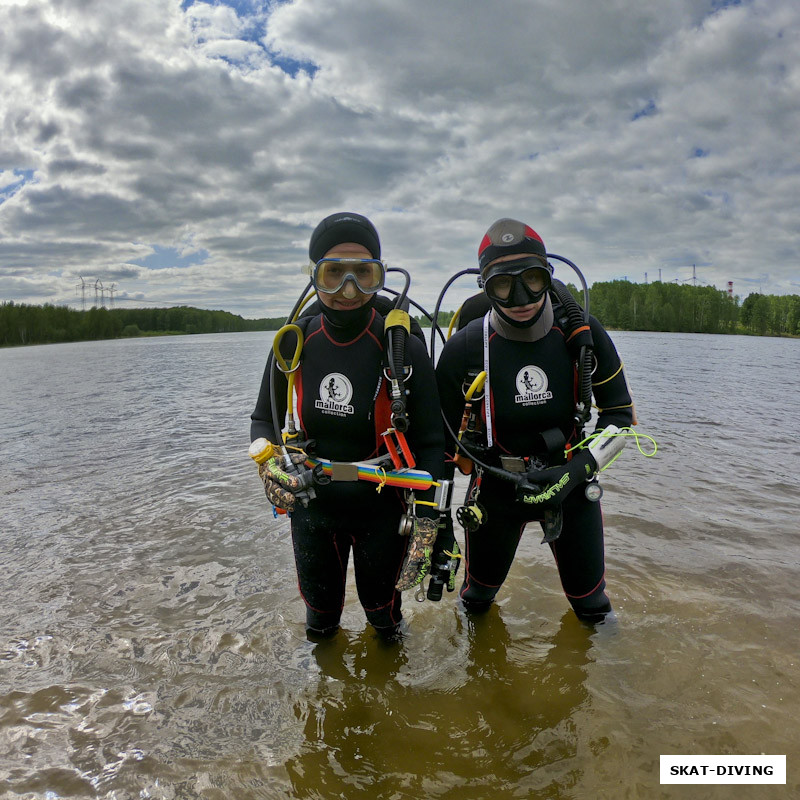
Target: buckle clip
{"x": 398, "y": 448}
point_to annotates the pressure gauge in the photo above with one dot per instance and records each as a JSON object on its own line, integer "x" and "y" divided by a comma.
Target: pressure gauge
{"x": 593, "y": 491}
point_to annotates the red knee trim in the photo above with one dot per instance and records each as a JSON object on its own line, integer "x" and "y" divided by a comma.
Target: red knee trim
{"x": 472, "y": 578}
{"x": 385, "y": 605}
{"x": 319, "y": 610}
{"x": 592, "y": 591}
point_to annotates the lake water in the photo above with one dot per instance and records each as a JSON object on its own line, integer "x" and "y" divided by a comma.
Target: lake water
{"x": 152, "y": 638}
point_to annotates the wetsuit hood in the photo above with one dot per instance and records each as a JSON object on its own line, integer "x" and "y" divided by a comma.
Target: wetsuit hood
{"x": 530, "y": 330}
{"x": 349, "y": 322}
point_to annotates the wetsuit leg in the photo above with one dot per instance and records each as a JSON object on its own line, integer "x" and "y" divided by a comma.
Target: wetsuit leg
{"x": 490, "y": 552}
{"x": 579, "y": 554}
{"x": 321, "y": 552}
{"x": 378, "y": 554}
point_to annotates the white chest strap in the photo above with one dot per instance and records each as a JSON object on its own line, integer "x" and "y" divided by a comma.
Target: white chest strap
{"x": 487, "y": 391}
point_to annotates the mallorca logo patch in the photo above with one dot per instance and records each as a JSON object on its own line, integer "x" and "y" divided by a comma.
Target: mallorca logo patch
{"x": 335, "y": 393}
{"x": 532, "y": 386}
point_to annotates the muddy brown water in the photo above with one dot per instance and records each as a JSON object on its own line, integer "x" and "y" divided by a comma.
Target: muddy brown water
{"x": 151, "y": 635}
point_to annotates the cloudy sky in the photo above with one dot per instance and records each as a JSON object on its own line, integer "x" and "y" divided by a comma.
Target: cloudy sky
{"x": 182, "y": 152}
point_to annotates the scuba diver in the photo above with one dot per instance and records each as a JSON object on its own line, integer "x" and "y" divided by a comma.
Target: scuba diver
{"x": 364, "y": 389}
{"x": 516, "y": 383}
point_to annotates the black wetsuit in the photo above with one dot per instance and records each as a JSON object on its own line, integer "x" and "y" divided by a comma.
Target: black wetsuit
{"x": 341, "y": 390}
{"x": 532, "y": 390}
{"x": 382, "y": 304}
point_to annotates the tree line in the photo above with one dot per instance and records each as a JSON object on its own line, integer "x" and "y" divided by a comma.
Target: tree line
{"x": 620, "y": 305}
{"x": 48, "y": 324}
{"x": 692, "y": 309}
{"x": 673, "y": 307}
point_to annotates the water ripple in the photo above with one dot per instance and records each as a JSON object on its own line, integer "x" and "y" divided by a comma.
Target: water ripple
{"x": 152, "y": 640}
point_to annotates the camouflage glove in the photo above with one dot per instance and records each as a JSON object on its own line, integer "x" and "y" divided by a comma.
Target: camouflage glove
{"x": 278, "y": 484}
{"x": 445, "y": 561}
{"x": 418, "y": 555}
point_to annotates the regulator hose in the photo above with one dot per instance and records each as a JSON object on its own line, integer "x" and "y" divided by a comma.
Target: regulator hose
{"x": 398, "y": 328}
{"x": 435, "y": 320}
{"x": 578, "y": 321}
{"x": 272, "y": 364}
{"x": 396, "y": 340}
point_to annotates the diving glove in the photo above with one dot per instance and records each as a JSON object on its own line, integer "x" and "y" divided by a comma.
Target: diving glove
{"x": 280, "y": 486}
{"x": 418, "y": 556}
{"x": 547, "y": 488}
{"x": 445, "y": 560}
{"x": 552, "y": 524}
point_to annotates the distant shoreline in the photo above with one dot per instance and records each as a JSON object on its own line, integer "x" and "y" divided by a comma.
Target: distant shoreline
{"x": 619, "y": 305}
{"x": 158, "y": 334}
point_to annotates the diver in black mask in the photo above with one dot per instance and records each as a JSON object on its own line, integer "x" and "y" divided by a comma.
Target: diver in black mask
{"x": 516, "y": 368}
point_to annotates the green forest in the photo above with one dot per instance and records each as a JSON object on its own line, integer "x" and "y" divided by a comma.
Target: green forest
{"x": 47, "y": 324}
{"x": 619, "y": 305}
{"x": 691, "y": 309}
{"x": 622, "y": 305}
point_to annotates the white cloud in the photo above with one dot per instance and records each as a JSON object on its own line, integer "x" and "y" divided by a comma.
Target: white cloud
{"x": 635, "y": 138}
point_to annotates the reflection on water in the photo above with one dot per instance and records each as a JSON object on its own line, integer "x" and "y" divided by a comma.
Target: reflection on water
{"x": 374, "y": 727}
{"x": 152, "y": 640}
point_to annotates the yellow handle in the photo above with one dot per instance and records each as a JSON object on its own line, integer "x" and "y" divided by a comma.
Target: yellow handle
{"x": 398, "y": 317}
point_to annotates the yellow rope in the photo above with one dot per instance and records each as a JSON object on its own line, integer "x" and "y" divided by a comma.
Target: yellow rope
{"x": 382, "y": 473}
{"x": 622, "y": 432}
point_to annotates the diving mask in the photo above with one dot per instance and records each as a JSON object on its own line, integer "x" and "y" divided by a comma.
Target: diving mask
{"x": 331, "y": 274}
{"x": 519, "y": 282}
